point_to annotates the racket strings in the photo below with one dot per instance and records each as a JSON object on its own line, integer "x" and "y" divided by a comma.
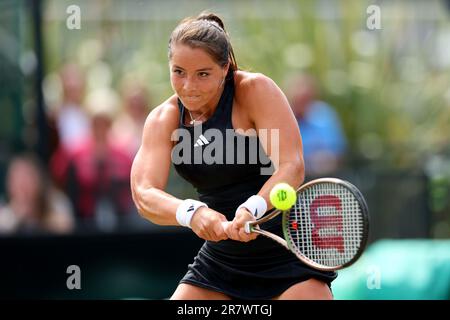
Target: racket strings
{"x": 326, "y": 224}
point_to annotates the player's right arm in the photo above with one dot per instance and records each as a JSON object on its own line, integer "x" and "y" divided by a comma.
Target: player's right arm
{"x": 151, "y": 165}
{"x": 150, "y": 172}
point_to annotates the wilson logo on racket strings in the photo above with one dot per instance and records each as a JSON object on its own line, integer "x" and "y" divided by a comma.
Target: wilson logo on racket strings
{"x": 327, "y": 222}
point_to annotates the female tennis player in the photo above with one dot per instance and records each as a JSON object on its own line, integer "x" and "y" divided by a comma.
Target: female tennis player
{"x": 211, "y": 94}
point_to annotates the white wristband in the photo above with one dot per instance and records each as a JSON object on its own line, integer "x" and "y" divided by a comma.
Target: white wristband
{"x": 256, "y": 205}
{"x": 186, "y": 210}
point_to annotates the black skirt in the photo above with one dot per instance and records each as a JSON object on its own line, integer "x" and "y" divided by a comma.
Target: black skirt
{"x": 258, "y": 269}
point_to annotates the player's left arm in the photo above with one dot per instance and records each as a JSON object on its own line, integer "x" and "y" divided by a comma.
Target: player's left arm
{"x": 270, "y": 111}
{"x": 278, "y": 131}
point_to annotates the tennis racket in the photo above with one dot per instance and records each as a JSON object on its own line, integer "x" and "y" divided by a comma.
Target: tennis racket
{"x": 328, "y": 226}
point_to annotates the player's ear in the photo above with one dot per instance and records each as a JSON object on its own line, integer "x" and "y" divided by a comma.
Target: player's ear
{"x": 225, "y": 69}
{"x": 225, "y": 72}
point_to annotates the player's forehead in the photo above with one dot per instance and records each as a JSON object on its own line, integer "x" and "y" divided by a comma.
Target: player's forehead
{"x": 191, "y": 59}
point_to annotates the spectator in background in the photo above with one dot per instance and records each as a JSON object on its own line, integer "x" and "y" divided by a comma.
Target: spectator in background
{"x": 34, "y": 205}
{"x": 127, "y": 128}
{"x": 96, "y": 174}
{"x": 72, "y": 122}
{"x": 324, "y": 143}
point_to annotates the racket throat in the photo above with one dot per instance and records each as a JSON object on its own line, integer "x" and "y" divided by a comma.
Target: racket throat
{"x": 271, "y": 236}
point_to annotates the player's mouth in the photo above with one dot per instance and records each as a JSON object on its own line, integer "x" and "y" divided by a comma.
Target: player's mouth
{"x": 193, "y": 98}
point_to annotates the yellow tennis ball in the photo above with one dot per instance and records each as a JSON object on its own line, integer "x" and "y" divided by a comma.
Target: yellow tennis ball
{"x": 283, "y": 196}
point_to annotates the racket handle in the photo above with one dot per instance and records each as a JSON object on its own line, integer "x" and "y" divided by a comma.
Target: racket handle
{"x": 247, "y": 226}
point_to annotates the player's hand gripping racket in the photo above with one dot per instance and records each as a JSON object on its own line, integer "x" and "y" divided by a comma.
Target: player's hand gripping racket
{"x": 327, "y": 227}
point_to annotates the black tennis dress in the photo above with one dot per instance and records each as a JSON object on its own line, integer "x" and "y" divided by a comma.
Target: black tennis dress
{"x": 258, "y": 269}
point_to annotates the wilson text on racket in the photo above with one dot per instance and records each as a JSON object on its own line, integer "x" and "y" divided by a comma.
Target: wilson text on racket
{"x": 226, "y": 309}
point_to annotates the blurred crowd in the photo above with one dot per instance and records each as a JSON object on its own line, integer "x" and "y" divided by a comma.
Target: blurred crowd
{"x": 323, "y": 138}
{"x": 85, "y": 186}
{"x": 94, "y": 138}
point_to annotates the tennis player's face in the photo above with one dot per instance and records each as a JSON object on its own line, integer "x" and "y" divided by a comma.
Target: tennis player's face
{"x": 196, "y": 78}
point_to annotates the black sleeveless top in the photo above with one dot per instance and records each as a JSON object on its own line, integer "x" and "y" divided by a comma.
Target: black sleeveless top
{"x": 225, "y": 175}
{"x": 225, "y": 167}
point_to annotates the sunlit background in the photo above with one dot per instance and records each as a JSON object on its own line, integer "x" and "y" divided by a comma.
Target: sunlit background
{"x": 382, "y": 67}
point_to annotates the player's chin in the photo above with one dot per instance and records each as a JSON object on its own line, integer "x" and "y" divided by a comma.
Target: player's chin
{"x": 193, "y": 104}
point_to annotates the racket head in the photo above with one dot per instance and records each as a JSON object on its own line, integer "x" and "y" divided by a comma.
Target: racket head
{"x": 328, "y": 226}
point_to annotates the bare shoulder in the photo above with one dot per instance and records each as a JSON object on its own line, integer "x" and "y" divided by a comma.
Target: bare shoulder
{"x": 249, "y": 83}
{"x": 163, "y": 118}
{"x": 257, "y": 91}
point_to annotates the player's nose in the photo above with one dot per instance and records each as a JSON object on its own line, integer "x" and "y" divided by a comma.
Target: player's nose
{"x": 189, "y": 85}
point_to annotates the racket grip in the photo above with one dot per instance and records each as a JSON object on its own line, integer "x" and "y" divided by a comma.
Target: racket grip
{"x": 247, "y": 227}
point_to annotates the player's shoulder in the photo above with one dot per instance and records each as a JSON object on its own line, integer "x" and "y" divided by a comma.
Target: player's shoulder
{"x": 250, "y": 84}
{"x": 252, "y": 80}
{"x": 166, "y": 114}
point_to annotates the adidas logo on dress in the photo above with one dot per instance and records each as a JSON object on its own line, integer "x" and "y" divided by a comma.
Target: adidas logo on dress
{"x": 201, "y": 141}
